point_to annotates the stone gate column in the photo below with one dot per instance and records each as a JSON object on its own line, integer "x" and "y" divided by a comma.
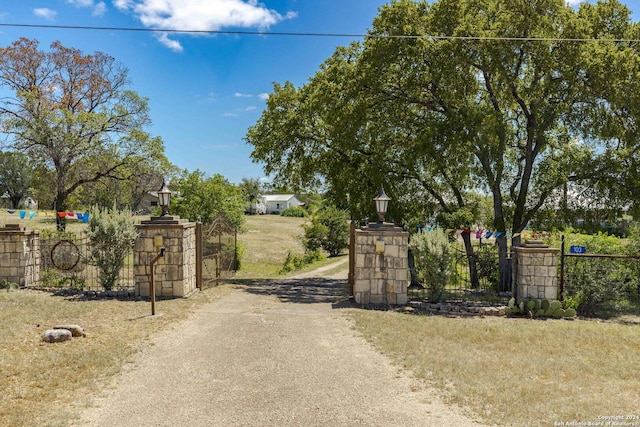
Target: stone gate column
{"x": 381, "y": 265}
{"x": 175, "y": 274}
{"x": 536, "y": 274}
{"x": 19, "y": 255}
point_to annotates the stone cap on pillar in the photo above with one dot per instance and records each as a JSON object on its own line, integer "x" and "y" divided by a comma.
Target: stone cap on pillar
{"x": 165, "y": 220}
{"x": 13, "y": 227}
{"x": 382, "y": 226}
{"x": 535, "y": 246}
{"x": 532, "y": 243}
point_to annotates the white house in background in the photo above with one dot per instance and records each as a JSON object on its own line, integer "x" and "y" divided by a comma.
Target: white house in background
{"x": 276, "y": 203}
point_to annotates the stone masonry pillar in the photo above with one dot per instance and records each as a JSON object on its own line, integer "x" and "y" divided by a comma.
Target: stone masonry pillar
{"x": 381, "y": 265}
{"x": 175, "y": 274}
{"x": 19, "y": 255}
{"x": 536, "y": 274}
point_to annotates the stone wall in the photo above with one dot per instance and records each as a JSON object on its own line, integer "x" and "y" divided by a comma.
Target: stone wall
{"x": 536, "y": 272}
{"x": 175, "y": 274}
{"x": 19, "y": 255}
{"x": 381, "y": 265}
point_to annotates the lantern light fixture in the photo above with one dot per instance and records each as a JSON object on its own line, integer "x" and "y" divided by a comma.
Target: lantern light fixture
{"x": 382, "y": 203}
{"x": 164, "y": 198}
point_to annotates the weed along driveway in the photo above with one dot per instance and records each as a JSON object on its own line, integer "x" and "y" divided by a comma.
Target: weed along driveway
{"x": 269, "y": 354}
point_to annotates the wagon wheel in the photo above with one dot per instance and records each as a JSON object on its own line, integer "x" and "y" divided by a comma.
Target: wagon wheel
{"x": 65, "y": 255}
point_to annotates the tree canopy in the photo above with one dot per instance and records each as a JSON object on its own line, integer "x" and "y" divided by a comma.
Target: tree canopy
{"x": 445, "y": 101}
{"x": 198, "y": 197}
{"x": 74, "y": 116}
{"x": 16, "y": 176}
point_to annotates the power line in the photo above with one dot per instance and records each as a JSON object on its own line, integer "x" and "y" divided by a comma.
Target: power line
{"x": 297, "y": 34}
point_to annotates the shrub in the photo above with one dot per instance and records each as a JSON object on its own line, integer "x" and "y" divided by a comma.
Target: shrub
{"x": 489, "y": 265}
{"x": 239, "y": 253}
{"x": 111, "y": 236}
{"x": 296, "y": 262}
{"x": 314, "y": 235}
{"x": 329, "y": 230}
{"x": 295, "y": 212}
{"x": 433, "y": 261}
{"x": 594, "y": 283}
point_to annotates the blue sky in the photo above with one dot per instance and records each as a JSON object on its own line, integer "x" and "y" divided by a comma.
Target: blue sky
{"x": 204, "y": 91}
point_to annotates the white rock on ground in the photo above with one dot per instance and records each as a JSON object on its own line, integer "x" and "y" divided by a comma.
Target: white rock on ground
{"x": 56, "y": 335}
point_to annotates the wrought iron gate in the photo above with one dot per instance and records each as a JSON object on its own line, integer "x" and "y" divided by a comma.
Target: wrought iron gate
{"x": 217, "y": 251}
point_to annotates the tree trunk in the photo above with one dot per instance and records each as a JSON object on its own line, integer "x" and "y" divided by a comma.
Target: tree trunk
{"x": 15, "y": 202}
{"x": 60, "y": 205}
{"x": 471, "y": 259}
{"x": 504, "y": 264}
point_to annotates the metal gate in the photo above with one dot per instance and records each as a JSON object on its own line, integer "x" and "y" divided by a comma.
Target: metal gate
{"x": 217, "y": 251}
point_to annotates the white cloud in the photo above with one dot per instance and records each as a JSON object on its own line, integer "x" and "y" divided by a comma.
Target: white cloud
{"x": 81, "y": 3}
{"x": 242, "y": 95}
{"x": 99, "y": 9}
{"x": 45, "y": 13}
{"x": 250, "y": 108}
{"x": 574, "y": 2}
{"x": 230, "y": 115}
{"x": 171, "y": 44}
{"x": 263, "y": 96}
{"x": 201, "y": 15}
{"x": 123, "y": 5}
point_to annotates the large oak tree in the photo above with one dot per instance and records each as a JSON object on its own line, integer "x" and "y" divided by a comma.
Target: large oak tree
{"x": 442, "y": 101}
{"x": 74, "y": 115}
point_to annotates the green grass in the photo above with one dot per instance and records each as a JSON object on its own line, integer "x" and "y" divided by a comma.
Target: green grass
{"x": 266, "y": 243}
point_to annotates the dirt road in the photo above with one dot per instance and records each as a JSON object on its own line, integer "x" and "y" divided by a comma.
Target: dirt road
{"x": 277, "y": 354}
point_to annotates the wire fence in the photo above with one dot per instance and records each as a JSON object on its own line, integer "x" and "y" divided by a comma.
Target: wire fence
{"x": 474, "y": 278}
{"x": 65, "y": 263}
{"x": 600, "y": 282}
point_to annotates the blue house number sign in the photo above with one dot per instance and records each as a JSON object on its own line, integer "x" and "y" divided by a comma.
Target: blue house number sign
{"x": 578, "y": 249}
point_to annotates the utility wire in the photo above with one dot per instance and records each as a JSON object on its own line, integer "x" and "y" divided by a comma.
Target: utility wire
{"x": 296, "y": 34}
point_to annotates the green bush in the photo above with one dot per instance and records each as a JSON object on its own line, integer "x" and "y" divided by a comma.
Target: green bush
{"x": 433, "y": 257}
{"x": 314, "y": 235}
{"x": 329, "y": 230}
{"x": 297, "y": 262}
{"x": 295, "y": 212}
{"x": 112, "y": 235}
{"x": 488, "y": 265}
{"x": 596, "y": 283}
{"x": 239, "y": 253}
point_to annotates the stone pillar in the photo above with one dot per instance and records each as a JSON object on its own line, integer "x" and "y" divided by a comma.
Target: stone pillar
{"x": 381, "y": 265}
{"x": 175, "y": 274}
{"x": 536, "y": 274}
{"x": 19, "y": 255}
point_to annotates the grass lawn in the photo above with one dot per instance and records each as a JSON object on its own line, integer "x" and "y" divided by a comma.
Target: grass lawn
{"x": 508, "y": 371}
{"x": 44, "y": 384}
{"x": 266, "y": 243}
{"x": 517, "y": 372}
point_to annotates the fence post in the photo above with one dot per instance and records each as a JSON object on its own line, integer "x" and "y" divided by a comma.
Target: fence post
{"x": 561, "y": 296}
{"x": 352, "y": 255}
{"x": 199, "y": 255}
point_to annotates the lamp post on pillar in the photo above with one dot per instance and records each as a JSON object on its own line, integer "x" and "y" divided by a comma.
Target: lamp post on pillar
{"x": 382, "y": 203}
{"x": 164, "y": 198}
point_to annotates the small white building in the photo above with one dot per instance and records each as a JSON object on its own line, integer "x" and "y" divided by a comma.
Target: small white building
{"x": 276, "y": 203}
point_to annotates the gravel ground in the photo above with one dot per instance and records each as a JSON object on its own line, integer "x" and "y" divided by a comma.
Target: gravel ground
{"x": 277, "y": 354}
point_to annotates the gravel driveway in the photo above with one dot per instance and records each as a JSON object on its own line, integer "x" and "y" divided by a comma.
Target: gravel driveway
{"x": 276, "y": 354}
